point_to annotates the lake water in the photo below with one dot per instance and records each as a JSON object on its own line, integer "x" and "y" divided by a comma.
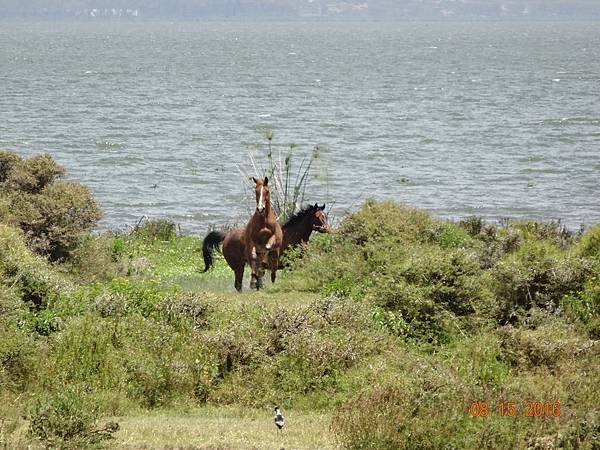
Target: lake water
{"x": 492, "y": 119}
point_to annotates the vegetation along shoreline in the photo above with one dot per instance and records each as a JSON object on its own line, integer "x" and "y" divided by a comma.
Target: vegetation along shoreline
{"x": 393, "y": 330}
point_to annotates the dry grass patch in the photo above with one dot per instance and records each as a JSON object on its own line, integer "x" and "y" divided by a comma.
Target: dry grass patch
{"x": 224, "y": 428}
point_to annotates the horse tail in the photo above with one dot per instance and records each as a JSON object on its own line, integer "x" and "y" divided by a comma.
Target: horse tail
{"x": 211, "y": 241}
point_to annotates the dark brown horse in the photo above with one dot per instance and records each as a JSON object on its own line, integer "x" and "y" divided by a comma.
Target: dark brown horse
{"x": 296, "y": 230}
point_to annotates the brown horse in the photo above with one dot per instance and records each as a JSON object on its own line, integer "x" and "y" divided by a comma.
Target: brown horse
{"x": 296, "y": 230}
{"x": 262, "y": 236}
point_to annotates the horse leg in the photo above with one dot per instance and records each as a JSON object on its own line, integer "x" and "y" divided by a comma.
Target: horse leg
{"x": 274, "y": 264}
{"x": 271, "y": 242}
{"x": 239, "y": 276}
{"x": 261, "y": 265}
{"x": 253, "y": 266}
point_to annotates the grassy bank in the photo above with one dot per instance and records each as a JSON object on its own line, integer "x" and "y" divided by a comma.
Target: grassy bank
{"x": 382, "y": 335}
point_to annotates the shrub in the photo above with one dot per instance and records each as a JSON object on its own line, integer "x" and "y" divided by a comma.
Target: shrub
{"x": 68, "y": 418}
{"x": 294, "y": 354}
{"x": 185, "y": 310}
{"x": 28, "y": 175}
{"x": 423, "y": 272}
{"x": 387, "y": 220}
{"x": 141, "y": 297}
{"x": 538, "y": 274}
{"x": 548, "y": 346}
{"x": 584, "y": 307}
{"x": 97, "y": 258}
{"x": 552, "y": 232}
{"x": 589, "y": 243}
{"x": 421, "y": 410}
{"x": 158, "y": 229}
{"x": 30, "y": 275}
{"x": 85, "y": 352}
{"x": 17, "y": 350}
{"x": 53, "y": 214}
{"x": 163, "y": 365}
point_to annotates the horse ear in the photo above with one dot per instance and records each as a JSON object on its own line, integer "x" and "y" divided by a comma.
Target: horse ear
{"x": 315, "y": 207}
{"x": 322, "y": 207}
{"x": 266, "y": 180}
{"x": 254, "y": 179}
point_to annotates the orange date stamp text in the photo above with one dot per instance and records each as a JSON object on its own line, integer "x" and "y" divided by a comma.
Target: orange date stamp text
{"x": 512, "y": 409}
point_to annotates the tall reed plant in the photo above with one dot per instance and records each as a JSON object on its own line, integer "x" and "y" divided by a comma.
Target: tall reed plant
{"x": 289, "y": 170}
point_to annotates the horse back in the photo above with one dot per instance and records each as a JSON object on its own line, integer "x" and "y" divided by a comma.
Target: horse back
{"x": 234, "y": 247}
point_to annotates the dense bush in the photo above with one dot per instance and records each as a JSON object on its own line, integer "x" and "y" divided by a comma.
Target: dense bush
{"x": 426, "y": 408}
{"x": 68, "y": 419}
{"x": 423, "y": 272}
{"x": 53, "y": 214}
{"x": 29, "y": 275}
{"x": 547, "y": 346}
{"x": 290, "y": 354}
{"x": 537, "y": 275}
{"x": 584, "y": 307}
{"x": 98, "y": 258}
{"x": 589, "y": 243}
{"x": 158, "y": 229}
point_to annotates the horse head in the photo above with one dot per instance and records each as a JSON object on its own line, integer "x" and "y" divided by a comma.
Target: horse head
{"x": 263, "y": 197}
{"x": 320, "y": 221}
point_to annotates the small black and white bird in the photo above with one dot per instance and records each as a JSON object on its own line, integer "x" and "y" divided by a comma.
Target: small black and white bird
{"x": 278, "y": 419}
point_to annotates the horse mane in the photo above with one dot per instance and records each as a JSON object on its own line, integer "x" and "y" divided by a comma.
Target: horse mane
{"x": 297, "y": 217}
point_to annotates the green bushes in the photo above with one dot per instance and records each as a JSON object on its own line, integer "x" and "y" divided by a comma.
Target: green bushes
{"x": 584, "y": 307}
{"x": 53, "y": 214}
{"x": 431, "y": 279}
{"x": 425, "y": 407}
{"x": 68, "y": 419}
{"x": 589, "y": 244}
{"x": 159, "y": 229}
{"x": 402, "y": 329}
{"x": 538, "y": 274}
{"x": 98, "y": 258}
{"x": 29, "y": 275}
{"x": 424, "y": 401}
{"x": 290, "y": 354}
{"x": 548, "y": 346}
{"x": 423, "y": 272}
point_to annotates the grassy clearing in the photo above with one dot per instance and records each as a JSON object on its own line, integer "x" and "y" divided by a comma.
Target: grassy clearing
{"x": 223, "y": 428}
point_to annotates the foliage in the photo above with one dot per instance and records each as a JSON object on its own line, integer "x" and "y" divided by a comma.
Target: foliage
{"x": 53, "y": 214}
{"x": 394, "y": 321}
{"x": 98, "y": 258}
{"x": 68, "y": 419}
{"x": 584, "y": 307}
{"x": 589, "y": 243}
{"x": 538, "y": 274}
{"x": 29, "y": 275}
{"x": 158, "y": 229}
{"x": 420, "y": 270}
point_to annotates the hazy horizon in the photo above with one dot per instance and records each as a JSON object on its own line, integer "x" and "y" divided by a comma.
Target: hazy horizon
{"x": 302, "y": 9}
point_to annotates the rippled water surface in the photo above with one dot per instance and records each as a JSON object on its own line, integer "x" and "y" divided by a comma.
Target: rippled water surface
{"x": 490, "y": 119}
